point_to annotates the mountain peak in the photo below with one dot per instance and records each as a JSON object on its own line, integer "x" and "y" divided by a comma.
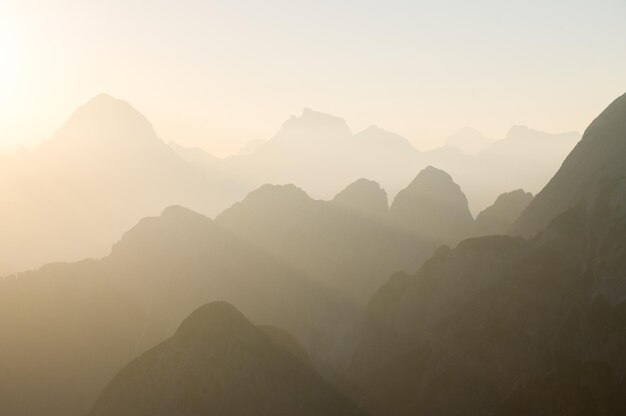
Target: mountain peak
{"x": 383, "y": 139}
{"x": 433, "y": 206}
{"x": 310, "y": 122}
{"x": 215, "y": 318}
{"x": 105, "y": 119}
{"x": 363, "y": 196}
{"x": 468, "y": 140}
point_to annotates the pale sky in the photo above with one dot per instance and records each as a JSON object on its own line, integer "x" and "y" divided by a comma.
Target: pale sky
{"x": 217, "y": 74}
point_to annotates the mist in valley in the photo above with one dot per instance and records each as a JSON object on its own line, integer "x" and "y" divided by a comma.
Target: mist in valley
{"x": 233, "y": 209}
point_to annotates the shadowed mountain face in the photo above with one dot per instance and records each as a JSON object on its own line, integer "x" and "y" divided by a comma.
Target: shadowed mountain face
{"x": 599, "y": 155}
{"x": 501, "y": 324}
{"x": 219, "y": 363}
{"x": 499, "y": 217}
{"x": 67, "y": 328}
{"x": 72, "y": 196}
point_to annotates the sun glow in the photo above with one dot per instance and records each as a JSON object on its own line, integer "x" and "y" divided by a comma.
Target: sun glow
{"x": 9, "y": 63}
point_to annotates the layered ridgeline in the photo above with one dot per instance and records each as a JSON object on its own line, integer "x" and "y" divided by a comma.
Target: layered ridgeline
{"x": 74, "y": 195}
{"x": 502, "y": 325}
{"x": 351, "y": 242}
{"x": 319, "y": 153}
{"x": 67, "y": 328}
{"x": 285, "y": 259}
{"x": 219, "y": 363}
{"x": 106, "y": 168}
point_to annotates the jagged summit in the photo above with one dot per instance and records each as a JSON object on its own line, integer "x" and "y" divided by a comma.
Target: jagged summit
{"x": 363, "y": 196}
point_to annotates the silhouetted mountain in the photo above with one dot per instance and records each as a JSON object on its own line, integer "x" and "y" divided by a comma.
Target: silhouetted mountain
{"x": 344, "y": 249}
{"x": 67, "y": 328}
{"x": 364, "y": 197}
{"x": 469, "y": 141}
{"x": 434, "y": 207}
{"x": 219, "y": 363}
{"x": 73, "y": 195}
{"x": 499, "y": 217}
{"x": 319, "y": 153}
{"x": 599, "y": 155}
{"x": 525, "y": 159}
{"x": 501, "y": 324}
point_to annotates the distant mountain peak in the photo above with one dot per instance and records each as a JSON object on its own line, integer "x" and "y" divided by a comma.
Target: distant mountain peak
{"x": 384, "y": 139}
{"x": 434, "y": 206}
{"x": 315, "y": 122}
{"x": 468, "y": 140}
{"x": 104, "y": 119}
{"x": 271, "y": 193}
{"x": 364, "y": 196}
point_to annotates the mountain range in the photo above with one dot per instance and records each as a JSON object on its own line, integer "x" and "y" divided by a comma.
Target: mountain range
{"x": 503, "y": 325}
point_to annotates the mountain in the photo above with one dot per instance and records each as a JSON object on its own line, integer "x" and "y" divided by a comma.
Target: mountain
{"x": 68, "y": 327}
{"x": 524, "y": 158}
{"x": 319, "y": 152}
{"x": 364, "y": 197}
{"x": 499, "y": 217}
{"x": 219, "y": 363}
{"x": 599, "y": 155}
{"x": 469, "y": 141}
{"x": 104, "y": 169}
{"x": 503, "y": 325}
{"x": 434, "y": 207}
{"x": 348, "y": 244}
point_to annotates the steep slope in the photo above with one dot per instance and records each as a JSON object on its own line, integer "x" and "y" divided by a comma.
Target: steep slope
{"x": 219, "y": 363}
{"x": 434, "y": 207}
{"x": 67, "y": 328}
{"x": 599, "y": 154}
{"x": 106, "y": 168}
{"x": 506, "y": 325}
{"x": 499, "y": 217}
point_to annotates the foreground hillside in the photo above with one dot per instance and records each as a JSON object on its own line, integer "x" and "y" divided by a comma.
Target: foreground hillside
{"x": 508, "y": 326}
{"x": 219, "y": 363}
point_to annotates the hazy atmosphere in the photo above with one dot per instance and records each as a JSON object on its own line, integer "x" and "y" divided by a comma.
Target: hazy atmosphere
{"x": 217, "y": 74}
{"x": 316, "y": 209}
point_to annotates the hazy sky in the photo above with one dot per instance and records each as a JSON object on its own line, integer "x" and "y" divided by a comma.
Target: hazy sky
{"x": 217, "y": 74}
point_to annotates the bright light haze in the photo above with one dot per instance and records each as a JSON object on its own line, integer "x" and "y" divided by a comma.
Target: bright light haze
{"x": 217, "y": 74}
